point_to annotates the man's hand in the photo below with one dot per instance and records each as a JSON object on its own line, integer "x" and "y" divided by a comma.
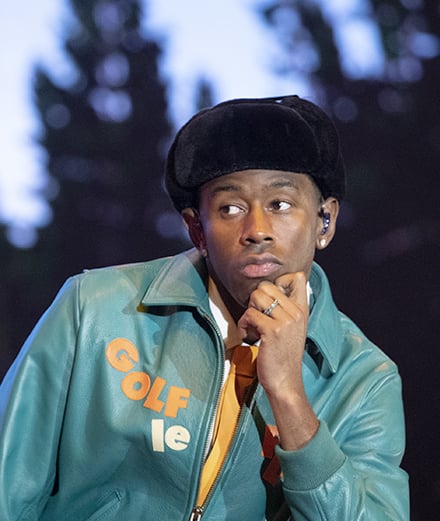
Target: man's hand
{"x": 282, "y": 335}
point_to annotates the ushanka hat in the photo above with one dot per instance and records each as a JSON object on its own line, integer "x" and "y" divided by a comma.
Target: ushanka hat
{"x": 287, "y": 134}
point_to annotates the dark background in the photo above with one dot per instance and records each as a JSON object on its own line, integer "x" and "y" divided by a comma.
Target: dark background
{"x": 109, "y": 205}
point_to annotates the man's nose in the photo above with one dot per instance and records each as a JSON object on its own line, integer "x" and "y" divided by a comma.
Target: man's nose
{"x": 257, "y": 227}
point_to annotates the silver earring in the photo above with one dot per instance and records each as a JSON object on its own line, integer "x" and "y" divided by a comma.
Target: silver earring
{"x": 325, "y": 221}
{"x": 322, "y": 243}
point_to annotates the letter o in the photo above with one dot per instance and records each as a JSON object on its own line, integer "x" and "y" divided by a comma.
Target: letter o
{"x": 136, "y": 385}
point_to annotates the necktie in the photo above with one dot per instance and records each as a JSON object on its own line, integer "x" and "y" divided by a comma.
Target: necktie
{"x": 240, "y": 377}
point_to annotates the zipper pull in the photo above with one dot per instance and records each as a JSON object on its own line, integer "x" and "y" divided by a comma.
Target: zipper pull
{"x": 196, "y": 514}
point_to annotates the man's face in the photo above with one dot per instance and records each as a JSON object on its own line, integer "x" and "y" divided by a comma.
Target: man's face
{"x": 257, "y": 225}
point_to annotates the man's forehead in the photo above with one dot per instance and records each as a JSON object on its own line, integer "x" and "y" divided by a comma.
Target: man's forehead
{"x": 247, "y": 179}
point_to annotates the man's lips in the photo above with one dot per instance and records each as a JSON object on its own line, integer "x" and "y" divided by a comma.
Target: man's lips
{"x": 260, "y": 266}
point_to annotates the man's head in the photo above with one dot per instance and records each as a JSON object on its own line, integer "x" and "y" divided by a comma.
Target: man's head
{"x": 258, "y": 184}
{"x": 287, "y": 134}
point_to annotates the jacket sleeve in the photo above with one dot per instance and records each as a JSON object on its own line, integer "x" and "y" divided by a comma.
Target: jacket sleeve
{"x": 355, "y": 476}
{"x": 32, "y": 400}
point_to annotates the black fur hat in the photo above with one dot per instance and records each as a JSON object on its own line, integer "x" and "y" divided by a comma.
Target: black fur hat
{"x": 288, "y": 133}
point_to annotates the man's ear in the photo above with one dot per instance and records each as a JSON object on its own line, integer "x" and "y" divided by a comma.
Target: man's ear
{"x": 327, "y": 223}
{"x": 193, "y": 224}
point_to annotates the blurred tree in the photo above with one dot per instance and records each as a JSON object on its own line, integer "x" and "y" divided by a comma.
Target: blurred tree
{"x": 105, "y": 135}
{"x": 7, "y": 279}
{"x": 21, "y": 292}
{"x": 204, "y": 95}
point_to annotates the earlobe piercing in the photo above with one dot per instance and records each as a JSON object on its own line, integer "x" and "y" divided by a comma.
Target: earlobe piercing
{"x": 322, "y": 243}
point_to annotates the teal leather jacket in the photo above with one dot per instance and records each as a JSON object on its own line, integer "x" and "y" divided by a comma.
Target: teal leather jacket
{"x": 105, "y": 413}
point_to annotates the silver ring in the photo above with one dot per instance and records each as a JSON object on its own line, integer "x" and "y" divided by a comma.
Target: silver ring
{"x": 270, "y": 308}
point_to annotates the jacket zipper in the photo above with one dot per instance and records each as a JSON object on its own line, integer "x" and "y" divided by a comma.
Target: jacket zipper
{"x": 196, "y": 514}
{"x": 198, "y": 511}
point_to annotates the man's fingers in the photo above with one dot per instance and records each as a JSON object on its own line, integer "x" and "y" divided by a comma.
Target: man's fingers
{"x": 263, "y": 298}
{"x": 293, "y": 285}
{"x": 289, "y": 289}
{"x": 248, "y": 326}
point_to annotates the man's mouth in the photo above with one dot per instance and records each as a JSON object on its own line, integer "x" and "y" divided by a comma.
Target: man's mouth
{"x": 260, "y": 267}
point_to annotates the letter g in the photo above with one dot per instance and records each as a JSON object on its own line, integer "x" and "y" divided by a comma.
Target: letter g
{"x": 122, "y": 354}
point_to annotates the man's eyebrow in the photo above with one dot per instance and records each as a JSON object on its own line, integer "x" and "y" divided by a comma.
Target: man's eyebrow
{"x": 225, "y": 188}
{"x": 284, "y": 183}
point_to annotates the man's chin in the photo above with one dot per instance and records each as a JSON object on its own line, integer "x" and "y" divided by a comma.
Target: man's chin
{"x": 253, "y": 285}
{"x": 242, "y": 300}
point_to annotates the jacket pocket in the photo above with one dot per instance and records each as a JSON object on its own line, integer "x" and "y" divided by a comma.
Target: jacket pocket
{"x": 110, "y": 506}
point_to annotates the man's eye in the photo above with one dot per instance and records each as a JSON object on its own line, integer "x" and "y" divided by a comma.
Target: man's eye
{"x": 280, "y": 205}
{"x": 230, "y": 209}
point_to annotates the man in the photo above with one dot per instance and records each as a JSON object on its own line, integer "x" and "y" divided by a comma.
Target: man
{"x": 223, "y": 383}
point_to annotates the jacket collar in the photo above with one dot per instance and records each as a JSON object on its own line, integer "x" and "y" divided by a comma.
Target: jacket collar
{"x": 324, "y": 328}
{"x": 181, "y": 281}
